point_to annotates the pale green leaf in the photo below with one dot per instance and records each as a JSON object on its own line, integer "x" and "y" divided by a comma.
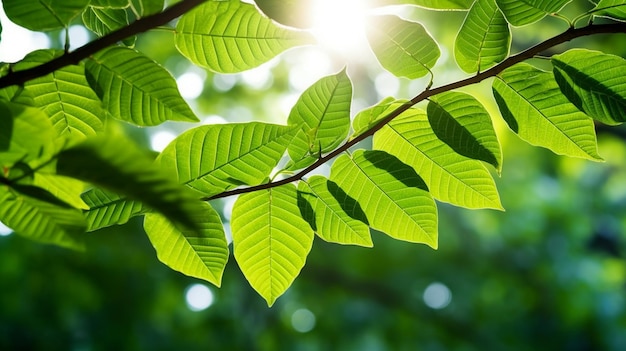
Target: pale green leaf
{"x": 535, "y": 109}
{"x": 394, "y": 198}
{"x": 484, "y": 38}
{"x": 615, "y": 9}
{"x": 201, "y": 253}
{"x": 333, "y": 214}
{"x": 520, "y": 13}
{"x": 43, "y": 15}
{"x": 271, "y": 240}
{"x": 106, "y": 208}
{"x": 136, "y": 89}
{"x": 231, "y": 36}
{"x": 322, "y": 113}
{"x": 368, "y": 117}
{"x": 65, "y": 96}
{"x": 103, "y": 21}
{"x": 293, "y": 13}
{"x": 595, "y": 82}
{"x": 215, "y": 158}
{"x": 402, "y": 47}
{"x": 36, "y": 214}
{"x": 462, "y": 122}
{"x": 430, "y": 4}
{"x": 450, "y": 177}
{"x": 65, "y": 189}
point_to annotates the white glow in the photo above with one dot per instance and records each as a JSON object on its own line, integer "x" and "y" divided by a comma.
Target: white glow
{"x": 17, "y": 41}
{"x": 437, "y": 296}
{"x": 214, "y": 119}
{"x": 339, "y": 25}
{"x": 190, "y": 85}
{"x": 159, "y": 140}
{"x": 4, "y": 230}
{"x": 386, "y": 84}
{"x": 79, "y": 36}
{"x": 260, "y": 77}
{"x": 306, "y": 67}
{"x": 303, "y": 320}
{"x": 227, "y": 209}
{"x": 224, "y": 82}
{"x": 198, "y": 297}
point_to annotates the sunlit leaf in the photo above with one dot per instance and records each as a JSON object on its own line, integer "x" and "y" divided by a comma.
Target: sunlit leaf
{"x": 231, "y": 36}
{"x": 368, "y": 117}
{"x": 484, "y": 38}
{"x": 615, "y": 9}
{"x": 450, "y": 177}
{"x": 520, "y": 13}
{"x": 293, "y": 13}
{"x": 116, "y": 4}
{"x": 593, "y": 81}
{"x": 215, "y": 158}
{"x": 430, "y": 4}
{"x": 394, "y": 198}
{"x": 322, "y": 113}
{"x": 65, "y": 189}
{"x": 136, "y": 89}
{"x": 36, "y": 214}
{"x": 148, "y": 7}
{"x": 201, "y": 253}
{"x": 106, "y": 208}
{"x": 65, "y": 96}
{"x": 334, "y": 216}
{"x": 270, "y": 238}
{"x": 103, "y": 21}
{"x": 533, "y": 106}
{"x": 459, "y": 120}
{"x": 40, "y": 15}
{"x": 402, "y": 47}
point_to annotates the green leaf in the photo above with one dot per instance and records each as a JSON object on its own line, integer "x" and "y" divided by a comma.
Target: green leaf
{"x": 26, "y": 135}
{"x": 402, "y": 47}
{"x": 65, "y": 96}
{"x": 65, "y": 189}
{"x": 533, "y": 106}
{"x": 106, "y": 208}
{"x": 615, "y": 9}
{"x": 230, "y": 36}
{"x": 114, "y": 163}
{"x": 333, "y": 214}
{"x": 36, "y": 214}
{"x": 293, "y": 13}
{"x": 103, "y": 21}
{"x": 394, "y": 198}
{"x": 520, "y": 13}
{"x": 593, "y": 81}
{"x": 484, "y": 38}
{"x": 271, "y": 240}
{"x": 450, "y": 177}
{"x": 116, "y": 4}
{"x": 429, "y": 4}
{"x": 136, "y": 89}
{"x": 459, "y": 120}
{"x": 367, "y": 118}
{"x": 43, "y": 15}
{"x": 215, "y": 158}
{"x": 322, "y": 113}
{"x": 148, "y": 7}
{"x": 201, "y": 254}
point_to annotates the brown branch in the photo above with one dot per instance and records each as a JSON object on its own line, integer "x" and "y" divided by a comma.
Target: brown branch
{"x": 566, "y": 36}
{"x": 72, "y": 58}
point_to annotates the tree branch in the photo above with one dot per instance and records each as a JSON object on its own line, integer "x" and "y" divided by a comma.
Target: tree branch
{"x": 566, "y": 36}
{"x": 74, "y": 57}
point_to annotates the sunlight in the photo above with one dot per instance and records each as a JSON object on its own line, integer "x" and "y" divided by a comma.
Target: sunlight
{"x": 198, "y": 297}
{"x": 339, "y": 25}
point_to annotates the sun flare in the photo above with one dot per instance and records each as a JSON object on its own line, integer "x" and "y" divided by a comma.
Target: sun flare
{"x": 339, "y": 25}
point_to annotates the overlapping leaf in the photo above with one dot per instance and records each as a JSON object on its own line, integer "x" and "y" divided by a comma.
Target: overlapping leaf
{"x": 65, "y": 189}
{"x": 615, "y": 9}
{"x": 136, "y": 89}
{"x": 231, "y": 36}
{"x": 322, "y": 113}
{"x": 106, "y": 208}
{"x": 520, "y": 13}
{"x": 459, "y": 120}
{"x": 450, "y": 177}
{"x": 402, "y": 47}
{"x": 484, "y": 38}
{"x": 148, "y": 7}
{"x": 201, "y": 253}
{"x": 35, "y": 213}
{"x": 394, "y": 198}
{"x": 593, "y": 81}
{"x": 40, "y": 15}
{"x": 368, "y": 117}
{"x": 271, "y": 240}
{"x": 115, "y": 4}
{"x": 103, "y": 21}
{"x": 333, "y": 215}
{"x": 215, "y": 158}
{"x": 535, "y": 109}
{"x": 65, "y": 96}
{"x": 430, "y": 4}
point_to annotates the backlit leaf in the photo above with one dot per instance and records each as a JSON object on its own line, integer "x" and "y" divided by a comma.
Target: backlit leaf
{"x": 484, "y": 38}
{"x": 231, "y": 36}
{"x": 402, "y": 47}
{"x": 293, "y": 13}
{"x": 41, "y": 15}
{"x": 615, "y": 9}
{"x": 271, "y": 240}
{"x": 430, "y": 4}
{"x": 368, "y": 117}
{"x": 106, "y": 208}
{"x": 103, "y": 21}
{"x": 534, "y": 107}
{"x": 394, "y": 198}
{"x": 593, "y": 81}
{"x": 520, "y": 13}
{"x": 65, "y": 189}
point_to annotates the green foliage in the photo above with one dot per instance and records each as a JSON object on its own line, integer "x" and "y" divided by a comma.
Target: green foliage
{"x": 64, "y": 173}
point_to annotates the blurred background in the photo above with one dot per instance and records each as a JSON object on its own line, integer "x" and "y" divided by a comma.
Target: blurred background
{"x": 547, "y": 274}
